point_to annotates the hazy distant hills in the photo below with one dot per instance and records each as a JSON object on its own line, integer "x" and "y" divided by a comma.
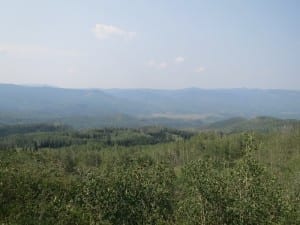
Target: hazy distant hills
{"x": 137, "y": 107}
{"x": 242, "y": 102}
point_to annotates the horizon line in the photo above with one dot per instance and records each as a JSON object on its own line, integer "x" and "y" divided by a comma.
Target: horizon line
{"x": 145, "y": 88}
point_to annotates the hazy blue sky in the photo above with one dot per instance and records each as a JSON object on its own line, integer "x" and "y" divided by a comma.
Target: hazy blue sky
{"x": 151, "y": 44}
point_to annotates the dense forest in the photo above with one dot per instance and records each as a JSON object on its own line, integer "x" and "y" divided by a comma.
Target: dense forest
{"x": 54, "y": 174}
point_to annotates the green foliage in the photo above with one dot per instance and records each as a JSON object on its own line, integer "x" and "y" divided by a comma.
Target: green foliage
{"x": 244, "y": 194}
{"x": 261, "y": 124}
{"x": 27, "y": 198}
{"x": 137, "y": 193}
{"x": 32, "y": 137}
{"x": 150, "y": 176}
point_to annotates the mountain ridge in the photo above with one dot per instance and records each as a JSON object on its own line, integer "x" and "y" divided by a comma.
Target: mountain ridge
{"x": 141, "y": 106}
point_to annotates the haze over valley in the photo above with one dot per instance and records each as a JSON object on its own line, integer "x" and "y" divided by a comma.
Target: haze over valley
{"x": 191, "y": 107}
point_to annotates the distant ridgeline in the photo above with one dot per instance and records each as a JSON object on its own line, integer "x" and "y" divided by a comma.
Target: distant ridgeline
{"x": 184, "y": 108}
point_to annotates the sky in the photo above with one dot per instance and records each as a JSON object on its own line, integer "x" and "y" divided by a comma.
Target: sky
{"x": 159, "y": 44}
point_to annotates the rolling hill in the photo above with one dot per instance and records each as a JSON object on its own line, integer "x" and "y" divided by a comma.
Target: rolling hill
{"x": 191, "y": 107}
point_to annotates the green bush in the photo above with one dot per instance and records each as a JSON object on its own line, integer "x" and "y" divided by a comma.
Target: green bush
{"x": 131, "y": 194}
{"x": 242, "y": 194}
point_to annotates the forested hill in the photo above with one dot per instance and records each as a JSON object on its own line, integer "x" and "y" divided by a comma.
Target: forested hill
{"x": 263, "y": 124}
{"x": 135, "y": 107}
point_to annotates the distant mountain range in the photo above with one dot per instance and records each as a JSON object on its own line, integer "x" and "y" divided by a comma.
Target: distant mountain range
{"x": 190, "y": 107}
